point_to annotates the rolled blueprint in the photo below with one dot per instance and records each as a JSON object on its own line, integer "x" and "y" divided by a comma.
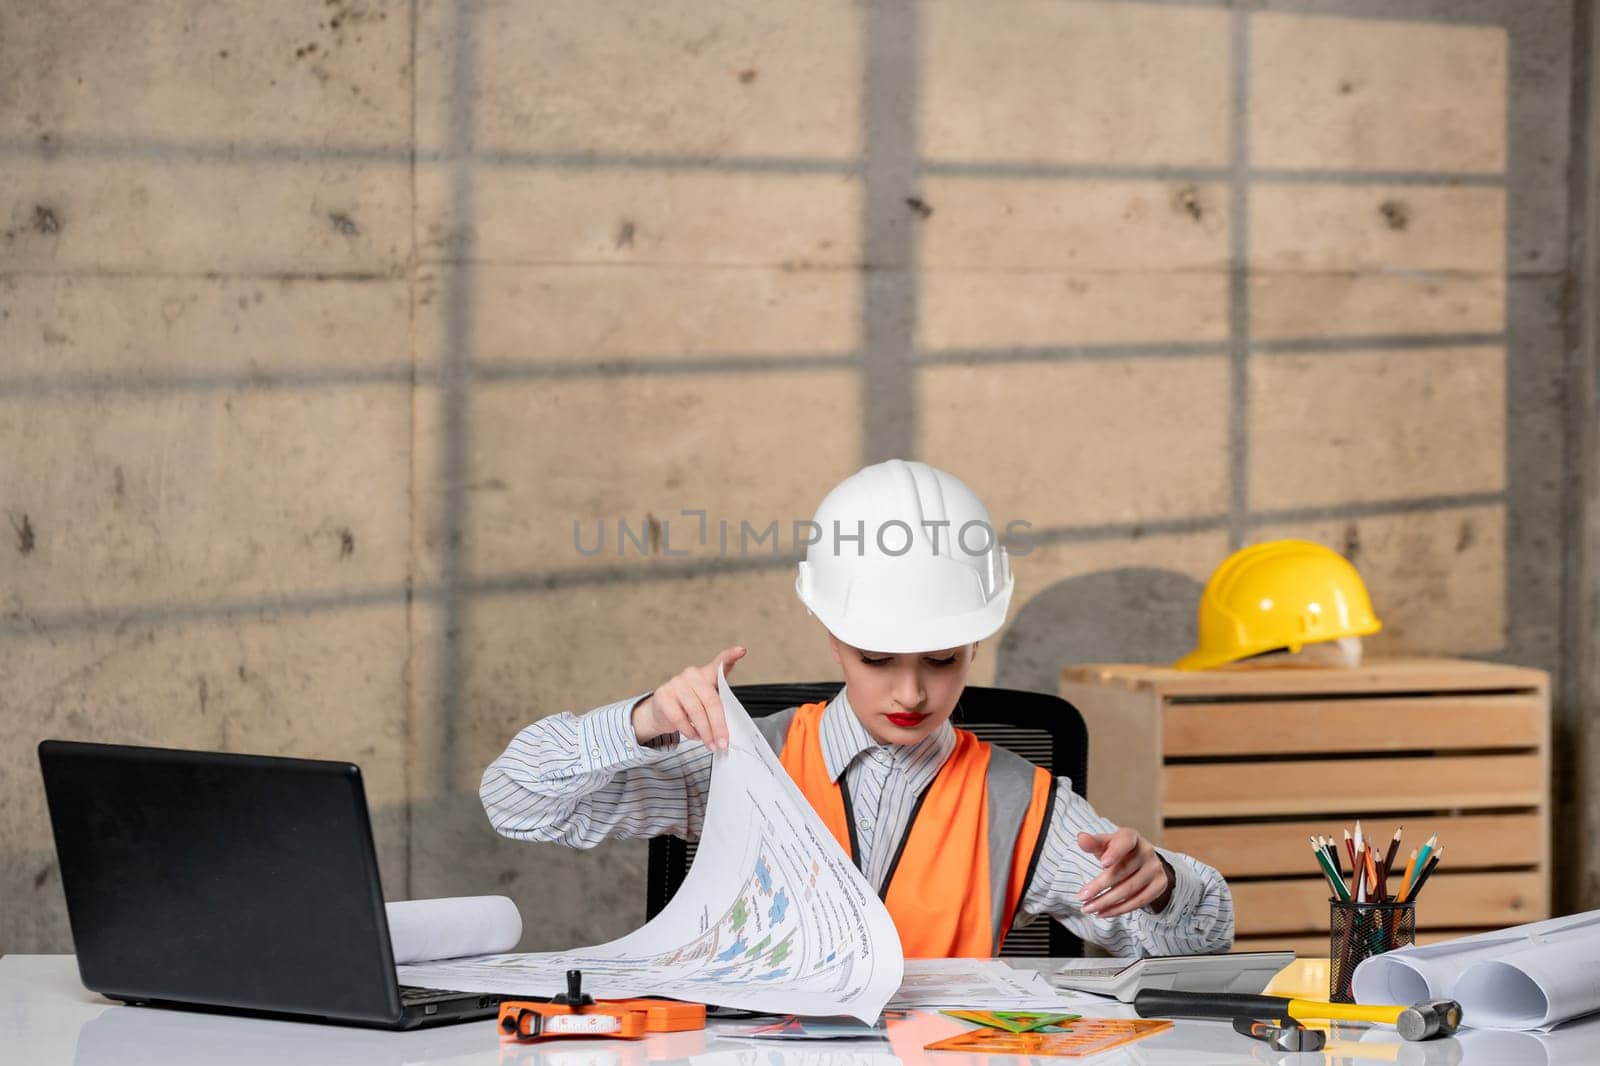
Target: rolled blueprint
{"x": 424, "y": 929}
{"x": 1532, "y": 976}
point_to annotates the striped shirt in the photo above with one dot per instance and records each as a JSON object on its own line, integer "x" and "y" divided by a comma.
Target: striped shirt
{"x": 579, "y": 780}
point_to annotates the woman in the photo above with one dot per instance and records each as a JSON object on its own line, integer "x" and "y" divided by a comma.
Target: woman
{"x": 962, "y": 839}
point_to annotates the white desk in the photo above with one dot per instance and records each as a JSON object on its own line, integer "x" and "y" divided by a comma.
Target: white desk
{"x": 48, "y": 1019}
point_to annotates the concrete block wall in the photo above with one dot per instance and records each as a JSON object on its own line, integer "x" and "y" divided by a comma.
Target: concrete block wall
{"x": 332, "y": 333}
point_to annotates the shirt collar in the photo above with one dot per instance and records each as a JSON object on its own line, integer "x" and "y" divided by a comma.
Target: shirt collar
{"x": 844, "y": 738}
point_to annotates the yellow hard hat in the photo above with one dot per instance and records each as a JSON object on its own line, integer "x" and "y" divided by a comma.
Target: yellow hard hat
{"x": 1280, "y": 594}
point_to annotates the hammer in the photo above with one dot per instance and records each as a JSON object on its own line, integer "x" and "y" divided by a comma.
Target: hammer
{"x": 1430, "y": 1018}
{"x": 1282, "y": 1037}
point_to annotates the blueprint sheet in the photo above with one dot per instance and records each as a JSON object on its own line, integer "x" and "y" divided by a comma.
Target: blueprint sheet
{"x": 772, "y": 916}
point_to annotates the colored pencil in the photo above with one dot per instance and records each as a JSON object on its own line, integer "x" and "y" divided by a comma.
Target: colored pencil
{"x": 1405, "y": 880}
{"x": 1422, "y": 878}
{"x": 1389, "y": 863}
{"x": 1394, "y": 849}
{"x": 1422, "y": 860}
{"x": 1371, "y": 866}
{"x": 1335, "y": 881}
{"x": 1333, "y": 861}
{"x": 1333, "y": 854}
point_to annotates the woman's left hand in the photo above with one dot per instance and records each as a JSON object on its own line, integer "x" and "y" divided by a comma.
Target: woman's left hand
{"x": 1132, "y": 874}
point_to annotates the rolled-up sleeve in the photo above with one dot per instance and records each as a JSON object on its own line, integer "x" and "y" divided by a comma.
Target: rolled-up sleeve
{"x": 1197, "y": 920}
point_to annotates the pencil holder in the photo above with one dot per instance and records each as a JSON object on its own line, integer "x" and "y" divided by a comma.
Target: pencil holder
{"x": 1358, "y": 931}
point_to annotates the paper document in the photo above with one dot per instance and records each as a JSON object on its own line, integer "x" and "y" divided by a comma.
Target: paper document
{"x": 979, "y": 984}
{"x": 423, "y": 929}
{"x": 772, "y": 916}
{"x": 1533, "y": 976}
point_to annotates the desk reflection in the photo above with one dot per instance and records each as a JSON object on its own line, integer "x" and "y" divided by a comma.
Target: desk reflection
{"x": 659, "y": 1050}
{"x": 152, "y": 1036}
{"x": 139, "y": 1036}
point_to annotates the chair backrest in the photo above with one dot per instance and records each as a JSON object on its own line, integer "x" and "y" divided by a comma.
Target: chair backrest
{"x": 1046, "y": 730}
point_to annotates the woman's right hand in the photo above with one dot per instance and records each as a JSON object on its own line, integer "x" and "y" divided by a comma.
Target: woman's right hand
{"x": 688, "y": 704}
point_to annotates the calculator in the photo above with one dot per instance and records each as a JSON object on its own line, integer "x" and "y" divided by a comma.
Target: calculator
{"x": 1241, "y": 971}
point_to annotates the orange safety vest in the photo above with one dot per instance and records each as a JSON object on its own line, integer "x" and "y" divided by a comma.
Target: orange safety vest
{"x": 969, "y": 852}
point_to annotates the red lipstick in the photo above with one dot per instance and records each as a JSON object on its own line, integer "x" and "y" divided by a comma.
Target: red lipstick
{"x": 906, "y": 721}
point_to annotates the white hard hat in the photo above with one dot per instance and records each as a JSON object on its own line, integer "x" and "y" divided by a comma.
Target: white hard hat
{"x": 905, "y": 560}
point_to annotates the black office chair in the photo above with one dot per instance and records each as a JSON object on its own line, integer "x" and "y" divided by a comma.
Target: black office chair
{"x": 1046, "y": 730}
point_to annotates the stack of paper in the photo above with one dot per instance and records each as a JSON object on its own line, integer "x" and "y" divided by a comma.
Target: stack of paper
{"x": 978, "y": 984}
{"x": 1533, "y": 976}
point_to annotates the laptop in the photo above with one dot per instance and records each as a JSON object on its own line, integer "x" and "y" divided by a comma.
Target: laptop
{"x": 239, "y": 883}
{"x": 1239, "y": 971}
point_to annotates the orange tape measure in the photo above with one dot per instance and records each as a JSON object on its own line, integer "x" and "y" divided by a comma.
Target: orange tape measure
{"x": 533, "y": 1021}
{"x": 576, "y": 1014}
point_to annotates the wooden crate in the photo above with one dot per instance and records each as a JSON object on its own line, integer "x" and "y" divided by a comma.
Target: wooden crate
{"x": 1239, "y": 766}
